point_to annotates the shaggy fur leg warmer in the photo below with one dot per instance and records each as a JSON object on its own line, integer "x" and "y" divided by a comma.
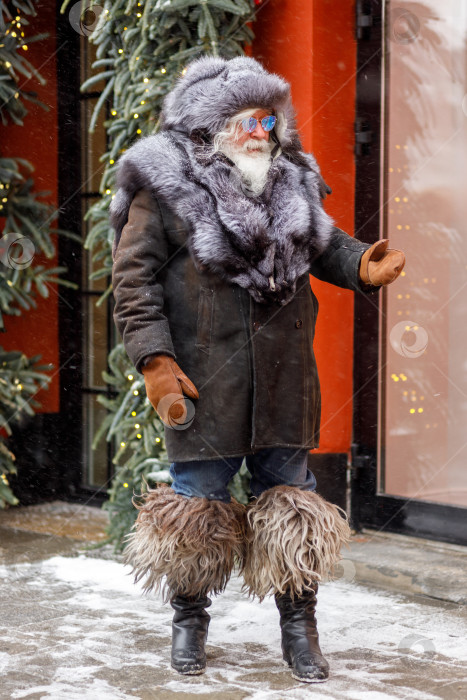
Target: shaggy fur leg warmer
{"x": 192, "y": 542}
{"x": 294, "y": 540}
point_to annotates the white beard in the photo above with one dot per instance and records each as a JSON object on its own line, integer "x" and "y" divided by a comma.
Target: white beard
{"x": 253, "y": 159}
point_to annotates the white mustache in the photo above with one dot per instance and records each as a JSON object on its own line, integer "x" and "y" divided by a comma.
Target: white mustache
{"x": 253, "y": 145}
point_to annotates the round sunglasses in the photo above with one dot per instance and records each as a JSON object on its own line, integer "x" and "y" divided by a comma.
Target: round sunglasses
{"x": 249, "y": 124}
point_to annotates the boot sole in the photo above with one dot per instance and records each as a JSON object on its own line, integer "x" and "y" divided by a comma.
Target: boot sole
{"x": 190, "y": 672}
{"x": 309, "y": 680}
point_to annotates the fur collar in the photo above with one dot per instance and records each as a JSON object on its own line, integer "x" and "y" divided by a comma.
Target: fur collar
{"x": 263, "y": 244}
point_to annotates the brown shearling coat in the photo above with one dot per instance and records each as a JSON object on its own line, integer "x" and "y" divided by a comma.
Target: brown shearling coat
{"x": 252, "y": 363}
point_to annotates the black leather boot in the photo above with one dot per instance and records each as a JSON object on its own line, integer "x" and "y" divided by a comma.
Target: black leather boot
{"x": 300, "y": 643}
{"x": 189, "y": 634}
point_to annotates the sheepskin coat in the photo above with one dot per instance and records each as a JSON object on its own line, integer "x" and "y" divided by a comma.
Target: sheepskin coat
{"x": 218, "y": 279}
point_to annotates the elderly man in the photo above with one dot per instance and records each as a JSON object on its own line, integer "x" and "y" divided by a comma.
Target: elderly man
{"x": 219, "y": 222}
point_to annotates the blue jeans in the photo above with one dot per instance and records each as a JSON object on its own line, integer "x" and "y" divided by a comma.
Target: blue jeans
{"x": 275, "y": 466}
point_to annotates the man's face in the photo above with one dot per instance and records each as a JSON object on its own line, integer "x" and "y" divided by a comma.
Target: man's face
{"x": 258, "y": 134}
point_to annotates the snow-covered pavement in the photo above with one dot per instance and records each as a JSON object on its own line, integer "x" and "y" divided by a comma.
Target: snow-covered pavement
{"x": 76, "y": 628}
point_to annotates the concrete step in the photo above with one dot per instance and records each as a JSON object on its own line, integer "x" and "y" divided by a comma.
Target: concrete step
{"x": 407, "y": 565}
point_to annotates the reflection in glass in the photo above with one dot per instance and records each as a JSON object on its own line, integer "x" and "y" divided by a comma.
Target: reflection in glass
{"x": 423, "y": 434}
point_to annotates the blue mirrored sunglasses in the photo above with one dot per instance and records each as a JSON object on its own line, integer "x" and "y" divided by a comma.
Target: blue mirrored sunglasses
{"x": 267, "y": 123}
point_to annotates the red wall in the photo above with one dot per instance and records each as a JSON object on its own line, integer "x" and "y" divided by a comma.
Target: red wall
{"x": 36, "y": 331}
{"x": 311, "y": 43}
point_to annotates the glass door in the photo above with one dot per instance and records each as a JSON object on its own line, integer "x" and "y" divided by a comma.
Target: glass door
{"x": 417, "y": 464}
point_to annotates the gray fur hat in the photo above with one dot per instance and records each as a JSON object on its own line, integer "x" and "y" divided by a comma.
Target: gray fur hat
{"x": 214, "y": 89}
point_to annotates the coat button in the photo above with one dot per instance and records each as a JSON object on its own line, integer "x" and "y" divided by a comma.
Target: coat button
{"x": 256, "y": 326}
{"x": 298, "y": 323}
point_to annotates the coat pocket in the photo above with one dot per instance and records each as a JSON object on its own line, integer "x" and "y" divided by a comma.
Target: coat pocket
{"x": 205, "y": 319}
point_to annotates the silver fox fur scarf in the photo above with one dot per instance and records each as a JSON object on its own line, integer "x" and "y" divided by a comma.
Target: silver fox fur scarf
{"x": 263, "y": 243}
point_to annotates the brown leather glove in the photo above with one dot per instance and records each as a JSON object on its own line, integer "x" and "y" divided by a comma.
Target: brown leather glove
{"x": 165, "y": 383}
{"x": 380, "y": 265}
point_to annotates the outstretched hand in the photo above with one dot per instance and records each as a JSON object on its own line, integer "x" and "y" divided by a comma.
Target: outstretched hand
{"x": 381, "y": 265}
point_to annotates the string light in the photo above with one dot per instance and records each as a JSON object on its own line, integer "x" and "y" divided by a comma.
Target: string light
{"x": 130, "y": 377}
{"x": 125, "y": 485}
{"x": 123, "y": 444}
{"x": 136, "y": 392}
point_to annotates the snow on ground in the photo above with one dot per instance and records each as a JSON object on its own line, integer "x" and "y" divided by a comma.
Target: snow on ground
{"x": 77, "y": 628}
